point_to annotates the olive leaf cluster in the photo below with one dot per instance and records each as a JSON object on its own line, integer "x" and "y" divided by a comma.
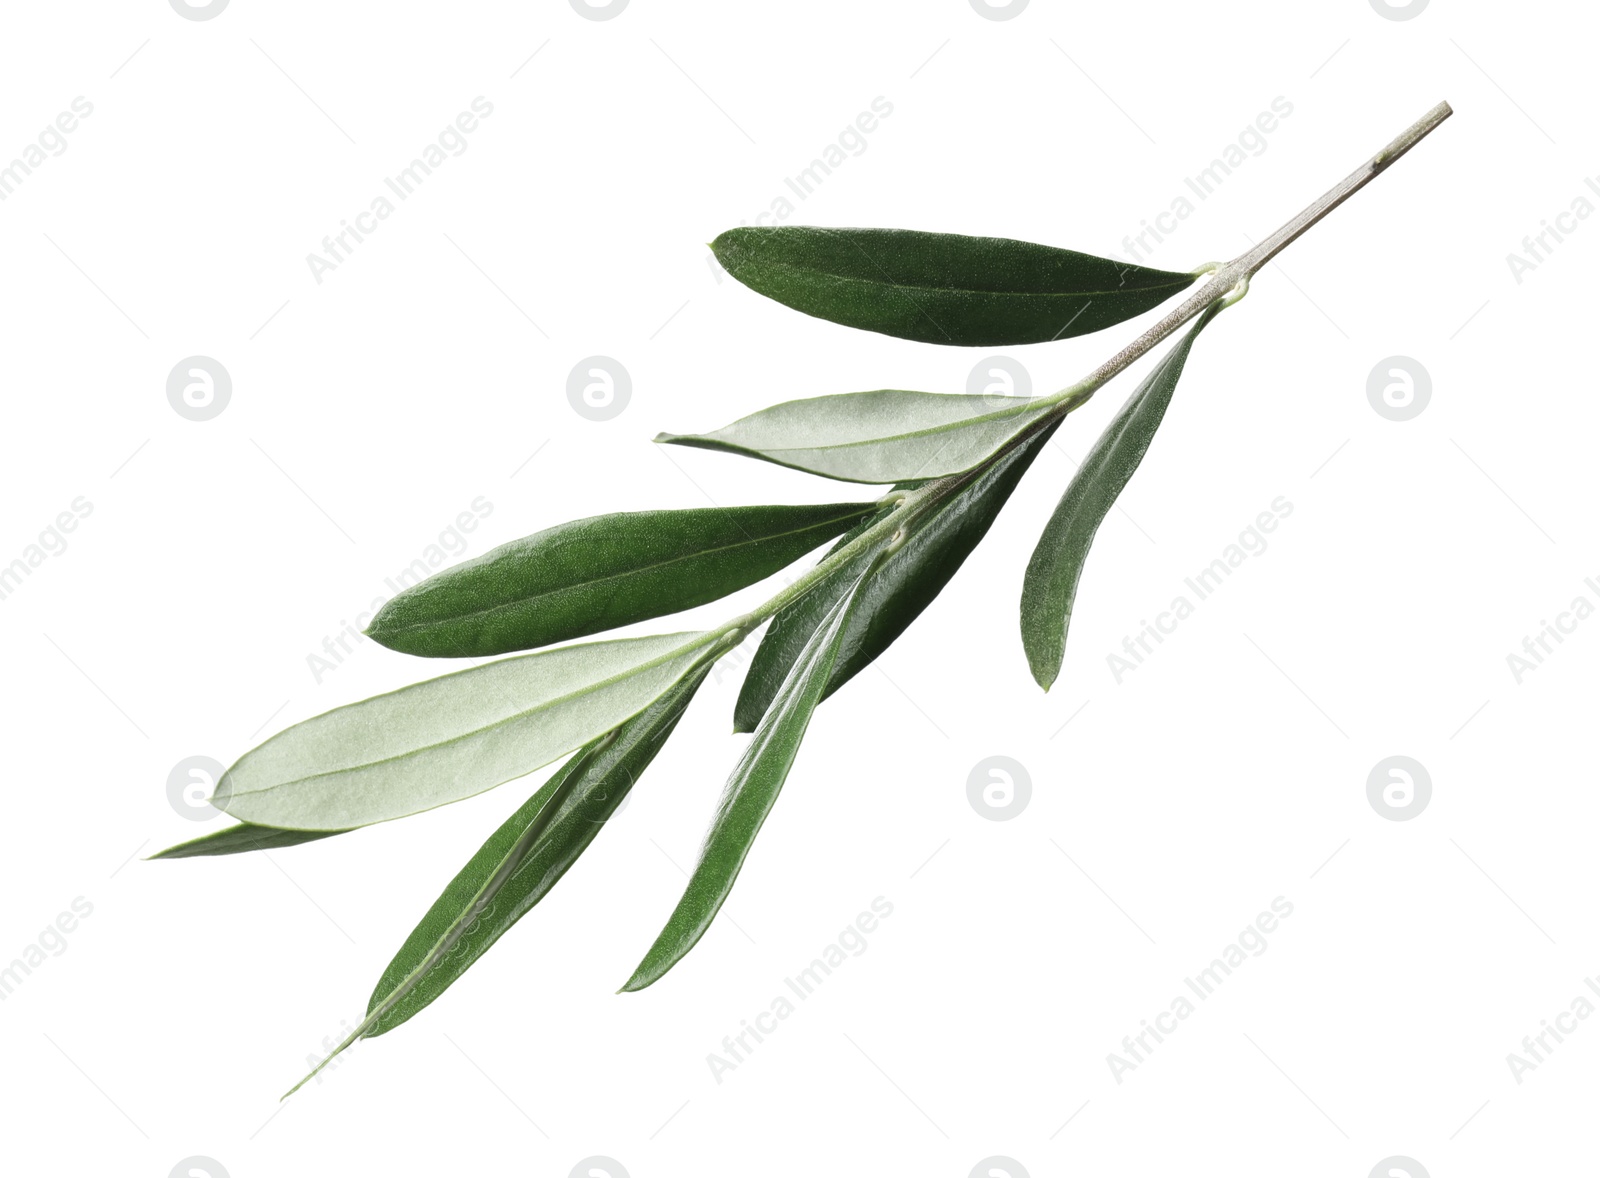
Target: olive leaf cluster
{"x": 950, "y": 461}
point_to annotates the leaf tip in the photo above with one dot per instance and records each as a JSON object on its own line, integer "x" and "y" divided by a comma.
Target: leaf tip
{"x": 390, "y": 629}
{"x": 377, "y": 628}
{"x": 642, "y": 978}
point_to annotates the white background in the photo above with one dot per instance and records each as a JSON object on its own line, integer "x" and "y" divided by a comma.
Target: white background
{"x": 370, "y": 409}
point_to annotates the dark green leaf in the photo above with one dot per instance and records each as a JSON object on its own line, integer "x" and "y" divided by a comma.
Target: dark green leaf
{"x": 519, "y": 864}
{"x": 748, "y": 796}
{"x": 590, "y": 789}
{"x": 909, "y": 579}
{"x": 598, "y": 574}
{"x": 1051, "y": 582}
{"x": 885, "y": 436}
{"x": 942, "y": 288}
{"x": 244, "y": 837}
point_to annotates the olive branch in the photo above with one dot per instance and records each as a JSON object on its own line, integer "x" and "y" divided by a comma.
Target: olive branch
{"x": 609, "y": 706}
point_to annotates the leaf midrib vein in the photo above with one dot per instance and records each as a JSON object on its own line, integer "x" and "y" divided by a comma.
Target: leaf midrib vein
{"x": 795, "y": 267}
{"x": 637, "y": 668}
{"x": 886, "y": 439}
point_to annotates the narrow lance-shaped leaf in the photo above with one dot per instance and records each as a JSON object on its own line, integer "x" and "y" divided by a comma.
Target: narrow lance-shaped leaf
{"x": 942, "y": 288}
{"x": 792, "y": 627}
{"x": 596, "y": 574}
{"x": 748, "y": 796}
{"x": 452, "y": 737}
{"x": 519, "y": 864}
{"x": 1050, "y": 584}
{"x": 906, "y": 584}
{"x": 886, "y": 436}
{"x": 246, "y": 836}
